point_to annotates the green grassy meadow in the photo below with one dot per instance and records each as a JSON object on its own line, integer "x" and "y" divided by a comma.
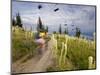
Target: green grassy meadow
{"x": 22, "y": 45}
{"x": 73, "y": 57}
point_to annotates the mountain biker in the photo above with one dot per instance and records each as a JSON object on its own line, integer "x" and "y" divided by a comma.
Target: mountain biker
{"x": 40, "y": 41}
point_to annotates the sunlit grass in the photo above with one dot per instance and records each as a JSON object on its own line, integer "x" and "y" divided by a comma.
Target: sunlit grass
{"x": 70, "y": 53}
{"x": 75, "y": 56}
{"x": 21, "y": 45}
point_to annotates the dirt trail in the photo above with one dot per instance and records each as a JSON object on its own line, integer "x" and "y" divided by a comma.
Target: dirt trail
{"x": 36, "y": 64}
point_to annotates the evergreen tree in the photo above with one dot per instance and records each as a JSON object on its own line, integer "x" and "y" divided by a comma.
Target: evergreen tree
{"x": 18, "y": 20}
{"x": 30, "y": 28}
{"x": 66, "y": 31}
{"x": 78, "y": 32}
{"x": 47, "y": 28}
{"x": 54, "y": 32}
{"x": 13, "y": 22}
{"x": 60, "y": 31}
{"x": 40, "y": 25}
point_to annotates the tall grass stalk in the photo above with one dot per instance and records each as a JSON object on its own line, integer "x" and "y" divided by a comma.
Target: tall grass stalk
{"x": 61, "y": 55}
{"x": 90, "y": 58}
{"x": 65, "y": 53}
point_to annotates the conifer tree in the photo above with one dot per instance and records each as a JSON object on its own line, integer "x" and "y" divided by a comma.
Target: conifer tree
{"x": 60, "y": 30}
{"x": 47, "y": 28}
{"x": 13, "y": 22}
{"x": 66, "y": 31}
{"x": 18, "y": 20}
{"x": 78, "y": 32}
{"x": 40, "y": 25}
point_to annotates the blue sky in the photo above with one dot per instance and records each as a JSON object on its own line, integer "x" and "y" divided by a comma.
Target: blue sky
{"x": 77, "y": 15}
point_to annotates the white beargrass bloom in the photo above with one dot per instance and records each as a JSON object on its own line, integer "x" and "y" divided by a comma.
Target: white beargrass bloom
{"x": 52, "y": 37}
{"x": 55, "y": 47}
{"x": 56, "y": 44}
{"x": 13, "y": 28}
{"x": 32, "y": 33}
{"x": 61, "y": 55}
{"x": 65, "y": 52}
{"x": 90, "y": 59}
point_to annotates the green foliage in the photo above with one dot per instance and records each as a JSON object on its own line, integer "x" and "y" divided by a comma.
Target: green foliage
{"x": 78, "y": 32}
{"x": 78, "y": 51}
{"x": 18, "y": 20}
{"x": 54, "y": 32}
{"x": 60, "y": 30}
{"x": 13, "y": 22}
{"x": 22, "y": 46}
{"x": 66, "y": 31}
{"x": 46, "y": 28}
{"x": 40, "y": 26}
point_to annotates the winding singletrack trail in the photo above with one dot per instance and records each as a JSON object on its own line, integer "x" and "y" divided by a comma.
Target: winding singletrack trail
{"x": 39, "y": 63}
